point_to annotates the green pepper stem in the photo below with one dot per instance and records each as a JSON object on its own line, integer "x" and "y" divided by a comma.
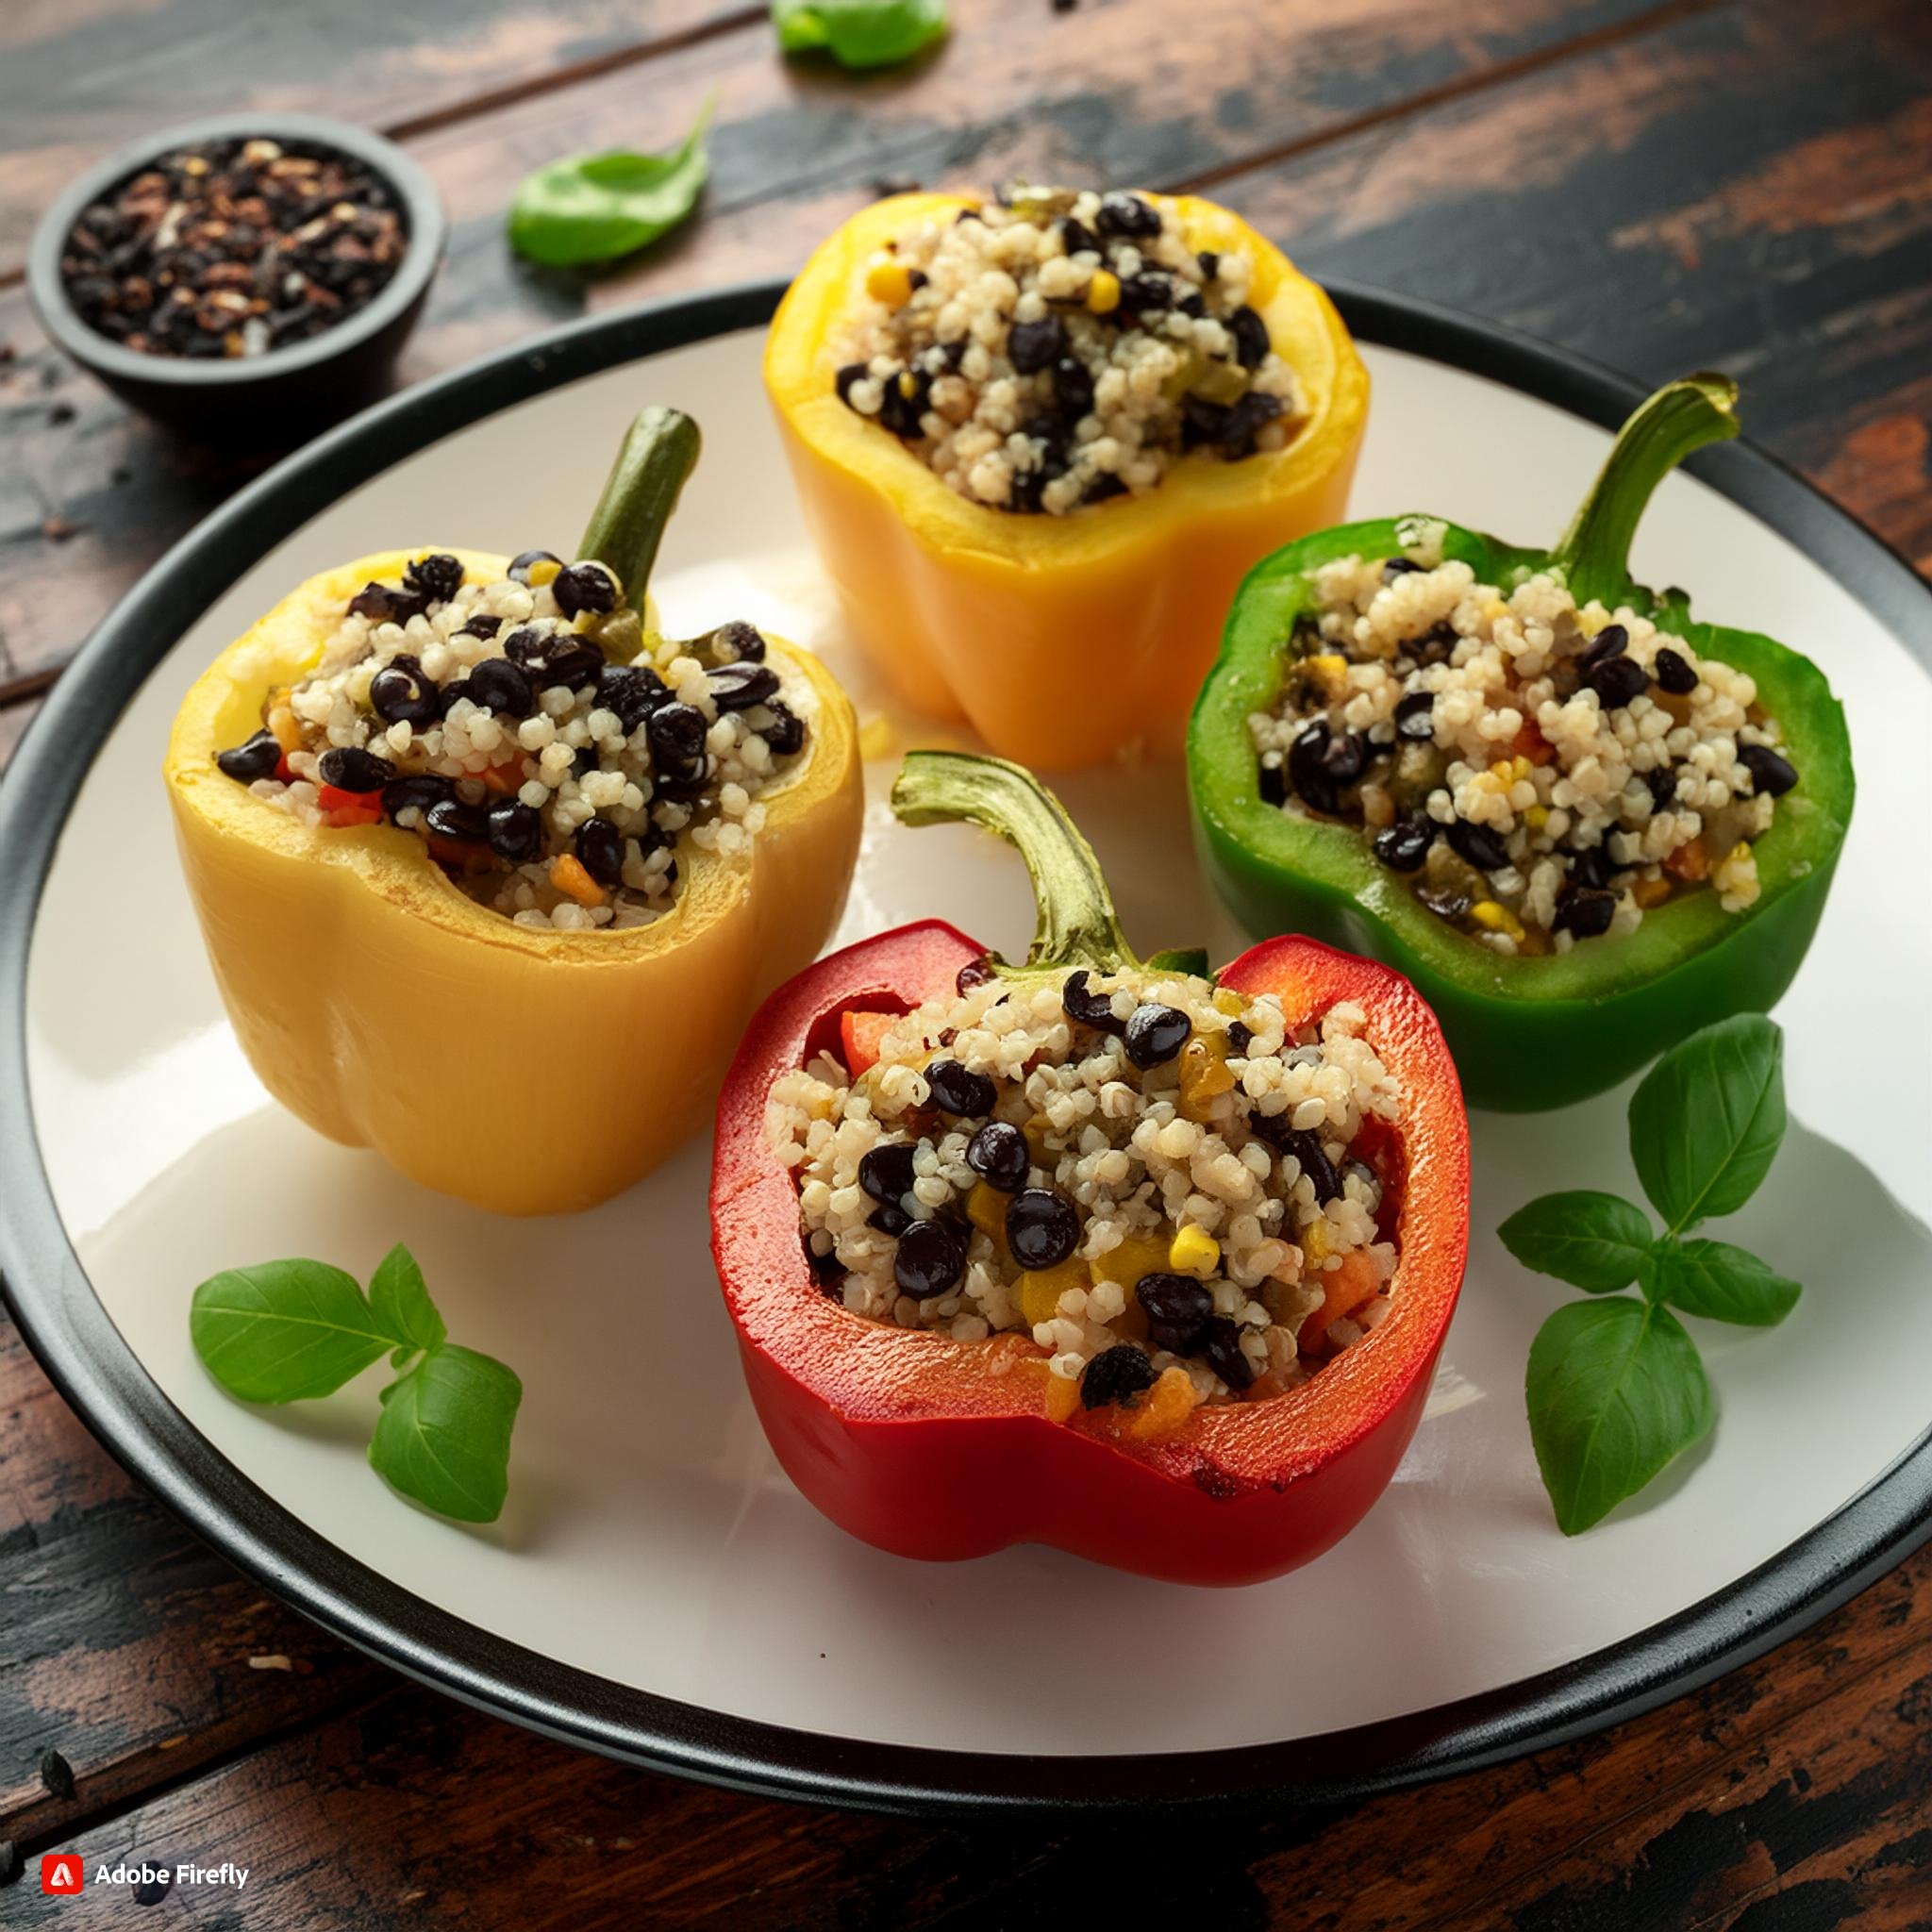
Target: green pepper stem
{"x": 1682, "y": 416}
{"x": 659, "y": 452}
{"x": 1076, "y": 923}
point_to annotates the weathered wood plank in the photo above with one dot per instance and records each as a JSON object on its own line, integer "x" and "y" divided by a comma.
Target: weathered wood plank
{"x": 1108, "y": 93}
{"x": 1804, "y": 1779}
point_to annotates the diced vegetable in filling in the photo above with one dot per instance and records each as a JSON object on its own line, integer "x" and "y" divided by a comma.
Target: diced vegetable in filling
{"x": 1538, "y": 774}
{"x": 1053, "y": 349}
{"x": 1157, "y": 1180}
{"x": 551, "y": 753}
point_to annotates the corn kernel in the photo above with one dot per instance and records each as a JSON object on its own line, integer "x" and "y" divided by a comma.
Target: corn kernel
{"x": 1193, "y": 1250}
{"x": 1040, "y": 1289}
{"x": 1535, "y": 817}
{"x": 1495, "y": 918}
{"x": 540, "y": 573}
{"x": 1331, "y": 667}
{"x": 1228, "y": 1001}
{"x": 1138, "y": 1254}
{"x": 1741, "y": 850}
{"x": 1102, "y": 292}
{"x": 1034, "y": 1132}
{"x": 986, "y": 1209}
{"x": 1501, "y": 771}
{"x": 1205, "y": 1076}
{"x": 1313, "y": 1240}
{"x": 1493, "y": 608}
{"x": 888, "y": 280}
{"x": 1520, "y": 766}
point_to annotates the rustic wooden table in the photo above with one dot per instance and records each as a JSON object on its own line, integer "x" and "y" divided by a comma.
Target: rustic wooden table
{"x": 1745, "y": 183}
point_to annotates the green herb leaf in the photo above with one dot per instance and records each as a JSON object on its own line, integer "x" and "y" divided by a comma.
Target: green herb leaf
{"x": 444, "y": 1437}
{"x": 400, "y": 1302}
{"x": 1192, "y": 960}
{"x": 1615, "y": 1391}
{"x": 1594, "y": 1241}
{"x": 594, "y": 208}
{"x": 1707, "y": 1118}
{"x": 1721, "y": 1283}
{"x": 859, "y": 33}
{"x": 284, "y": 1331}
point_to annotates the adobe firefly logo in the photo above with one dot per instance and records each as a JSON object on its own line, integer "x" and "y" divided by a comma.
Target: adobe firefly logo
{"x": 61, "y": 1873}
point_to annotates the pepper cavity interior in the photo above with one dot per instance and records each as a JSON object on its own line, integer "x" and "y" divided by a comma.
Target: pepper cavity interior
{"x": 1536, "y": 773}
{"x": 1179, "y": 1195}
{"x": 1053, "y": 348}
{"x": 552, "y": 754}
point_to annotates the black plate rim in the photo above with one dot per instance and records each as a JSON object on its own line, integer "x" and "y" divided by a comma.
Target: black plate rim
{"x": 76, "y": 1342}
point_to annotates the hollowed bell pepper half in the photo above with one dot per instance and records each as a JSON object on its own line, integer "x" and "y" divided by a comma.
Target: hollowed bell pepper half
{"x": 937, "y": 1448}
{"x": 1532, "y": 1032}
{"x": 1061, "y": 639}
{"x": 527, "y": 1070}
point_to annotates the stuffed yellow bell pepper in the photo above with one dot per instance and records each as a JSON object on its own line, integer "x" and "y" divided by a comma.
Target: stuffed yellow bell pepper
{"x": 489, "y": 873}
{"x": 1039, "y": 441}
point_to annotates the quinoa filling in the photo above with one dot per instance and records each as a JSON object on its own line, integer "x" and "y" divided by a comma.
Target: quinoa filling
{"x": 1539, "y": 774}
{"x": 1178, "y": 1196}
{"x": 551, "y": 753}
{"x": 1055, "y": 348}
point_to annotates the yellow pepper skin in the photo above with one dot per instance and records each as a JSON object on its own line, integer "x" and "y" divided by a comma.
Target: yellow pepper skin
{"x": 526, "y": 1071}
{"x": 1064, "y": 640}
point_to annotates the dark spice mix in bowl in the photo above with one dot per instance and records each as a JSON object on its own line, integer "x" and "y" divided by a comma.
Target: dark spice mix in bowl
{"x": 233, "y": 248}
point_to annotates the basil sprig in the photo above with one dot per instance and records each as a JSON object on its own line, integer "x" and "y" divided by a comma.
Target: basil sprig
{"x": 590, "y": 208}
{"x": 289, "y": 1331}
{"x": 1616, "y": 1389}
{"x": 859, "y": 33}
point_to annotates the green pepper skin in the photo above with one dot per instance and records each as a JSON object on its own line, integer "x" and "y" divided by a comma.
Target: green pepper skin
{"x": 1526, "y": 1034}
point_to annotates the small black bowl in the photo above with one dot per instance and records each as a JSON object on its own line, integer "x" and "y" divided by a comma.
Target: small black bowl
{"x": 265, "y": 402}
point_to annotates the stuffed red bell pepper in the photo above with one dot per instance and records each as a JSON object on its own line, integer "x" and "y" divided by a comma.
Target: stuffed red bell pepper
{"x": 1088, "y": 1250}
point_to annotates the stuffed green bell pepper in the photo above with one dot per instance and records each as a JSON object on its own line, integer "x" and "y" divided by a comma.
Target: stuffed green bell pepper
{"x": 1582, "y": 822}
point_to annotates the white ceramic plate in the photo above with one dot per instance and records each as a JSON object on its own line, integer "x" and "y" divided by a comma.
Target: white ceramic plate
{"x": 657, "y": 1589}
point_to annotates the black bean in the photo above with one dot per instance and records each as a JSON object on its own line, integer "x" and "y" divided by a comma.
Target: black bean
{"x": 959, "y": 1090}
{"x": 1661, "y": 782}
{"x": 1116, "y": 1375}
{"x": 599, "y": 847}
{"x": 439, "y": 577}
{"x": 496, "y": 685}
{"x": 349, "y": 768}
{"x": 1674, "y": 672}
{"x": 975, "y": 973}
{"x": 1305, "y": 1145}
{"x": 386, "y": 604}
{"x": 1616, "y": 681}
{"x": 555, "y": 658}
{"x": 1211, "y": 262}
{"x": 890, "y": 1218}
{"x": 482, "y": 626}
{"x": 1272, "y": 785}
{"x": 450, "y": 818}
{"x": 631, "y": 691}
{"x": 1445, "y": 902}
{"x": 785, "y": 734}
{"x": 1321, "y": 764}
{"x": 1043, "y": 1227}
{"x": 520, "y": 564}
{"x": 905, "y": 402}
{"x": 416, "y": 791}
{"x": 886, "y": 1171}
{"x": 1201, "y": 421}
{"x": 1585, "y": 912}
{"x": 1593, "y": 867}
{"x": 1155, "y": 1034}
{"x": 1250, "y": 335}
{"x": 1436, "y": 645}
{"x": 849, "y": 374}
{"x": 1126, "y": 217}
{"x": 1032, "y": 347}
{"x": 580, "y": 587}
{"x": 929, "y": 1260}
{"x": 1415, "y": 717}
{"x": 260, "y": 756}
{"x": 998, "y": 1153}
{"x": 827, "y": 1271}
{"x": 738, "y": 643}
{"x": 1393, "y": 567}
{"x": 739, "y": 687}
{"x": 1088, "y": 1008}
{"x": 516, "y": 831}
{"x": 1176, "y": 1306}
{"x": 402, "y": 692}
{"x": 1245, "y": 421}
{"x": 1151, "y": 291}
{"x": 1221, "y": 1349}
{"x": 1608, "y": 643}
{"x": 1239, "y": 1038}
{"x": 1077, "y": 238}
{"x": 1404, "y": 845}
{"x": 676, "y": 734}
{"x": 1483, "y": 848}
{"x": 1073, "y": 388}
{"x": 1770, "y": 773}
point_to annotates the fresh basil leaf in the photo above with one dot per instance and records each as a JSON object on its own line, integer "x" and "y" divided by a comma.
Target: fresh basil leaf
{"x": 595, "y": 207}
{"x": 284, "y": 1331}
{"x": 1615, "y": 1391}
{"x": 1707, "y": 1118}
{"x": 443, "y": 1435}
{"x": 1594, "y": 1241}
{"x": 1721, "y": 1283}
{"x": 1192, "y": 960}
{"x": 859, "y": 33}
{"x": 400, "y": 1301}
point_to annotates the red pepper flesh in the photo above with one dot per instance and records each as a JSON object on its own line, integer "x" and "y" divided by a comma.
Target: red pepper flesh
{"x": 940, "y": 1449}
